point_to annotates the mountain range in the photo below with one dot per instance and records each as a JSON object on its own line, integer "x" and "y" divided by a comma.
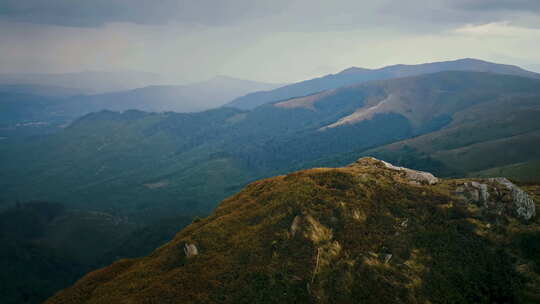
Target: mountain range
{"x": 41, "y": 109}
{"x": 195, "y": 97}
{"x": 155, "y": 162}
{"x": 88, "y": 82}
{"x": 355, "y": 75}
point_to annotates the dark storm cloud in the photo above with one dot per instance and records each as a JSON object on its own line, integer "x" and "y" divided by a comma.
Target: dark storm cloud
{"x": 91, "y": 13}
{"x": 302, "y": 15}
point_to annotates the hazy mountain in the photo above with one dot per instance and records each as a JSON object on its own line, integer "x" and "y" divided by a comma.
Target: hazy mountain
{"x": 368, "y": 233}
{"x": 40, "y": 90}
{"x": 22, "y": 113}
{"x": 36, "y": 109}
{"x": 89, "y": 82}
{"x": 21, "y": 107}
{"x": 356, "y": 75}
{"x": 186, "y": 98}
{"x": 154, "y": 164}
{"x": 31, "y": 103}
{"x": 534, "y": 67}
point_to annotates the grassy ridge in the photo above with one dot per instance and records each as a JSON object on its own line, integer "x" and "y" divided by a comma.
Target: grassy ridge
{"x": 359, "y": 233}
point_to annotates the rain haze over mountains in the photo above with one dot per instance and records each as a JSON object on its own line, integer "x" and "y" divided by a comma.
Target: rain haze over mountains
{"x": 278, "y": 42}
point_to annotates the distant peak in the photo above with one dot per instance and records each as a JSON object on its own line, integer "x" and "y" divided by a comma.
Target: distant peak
{"x": 221, "y": 79}
{"x": 471, "y": 60}
{"x": 354, "y": 70}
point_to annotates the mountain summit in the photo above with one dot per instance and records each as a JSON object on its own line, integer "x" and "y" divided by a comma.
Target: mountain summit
{"x": 369, "y": 232}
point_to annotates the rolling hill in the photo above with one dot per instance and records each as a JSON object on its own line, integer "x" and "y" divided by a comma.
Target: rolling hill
{"x": 501, "y": 140}
{"x": 29, "y": 110}
{"x": 40, "y": 90}
{"x": 154, "y": 164}
{"x": 195, "y": 97}
{"x": 368, "y": 232}
{"x": 89, "y": 82}
{"x": 356, "y": 75}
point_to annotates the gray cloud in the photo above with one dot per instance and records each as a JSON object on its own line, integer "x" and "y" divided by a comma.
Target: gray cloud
{"x": 83, "y": 13}
{"x": 292, "y": 15}
{"x": 270, "y": 40}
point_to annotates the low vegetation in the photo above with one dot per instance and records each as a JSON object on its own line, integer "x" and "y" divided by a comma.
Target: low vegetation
{"x": 361, "y": 233}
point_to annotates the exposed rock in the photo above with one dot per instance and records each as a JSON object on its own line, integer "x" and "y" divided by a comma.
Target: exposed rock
{"x": 525, "y": 207}
{"x": 495, "y": 200}
{"x": 474, "y": 192}
{"x": 483, "y": 193}
{"x": 295, "y": 225}
{"x": 414, "y": 176}
{"x": 190, "y": 250}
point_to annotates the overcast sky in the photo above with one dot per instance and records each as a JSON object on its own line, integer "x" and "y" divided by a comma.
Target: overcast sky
{"x": 273, "y": 41}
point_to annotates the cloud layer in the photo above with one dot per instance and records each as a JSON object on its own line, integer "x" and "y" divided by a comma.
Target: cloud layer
{"x": 279, "y": 40}
{"x": 82, "y": 13}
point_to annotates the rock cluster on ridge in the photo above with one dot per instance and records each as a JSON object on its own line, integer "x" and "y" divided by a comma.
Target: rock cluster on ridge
{"x": 414, "y": 176}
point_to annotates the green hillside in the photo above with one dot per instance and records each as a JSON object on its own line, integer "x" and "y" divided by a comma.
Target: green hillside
{"x": 355, "y": 75}
{"x": 496, "y": 140}
{"x": 147, "y": 165}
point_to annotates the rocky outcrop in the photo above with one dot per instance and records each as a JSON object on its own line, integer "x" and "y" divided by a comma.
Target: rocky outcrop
{"x": 412, "y": 176}
{"x": 494, "y": 195}
{"x": 295, "y": 226}
{"x": 498, "y": 196}
{"x": 474, "y": 192}
{"x": 190, "y": 250}
{"x": 523, "y": 204}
